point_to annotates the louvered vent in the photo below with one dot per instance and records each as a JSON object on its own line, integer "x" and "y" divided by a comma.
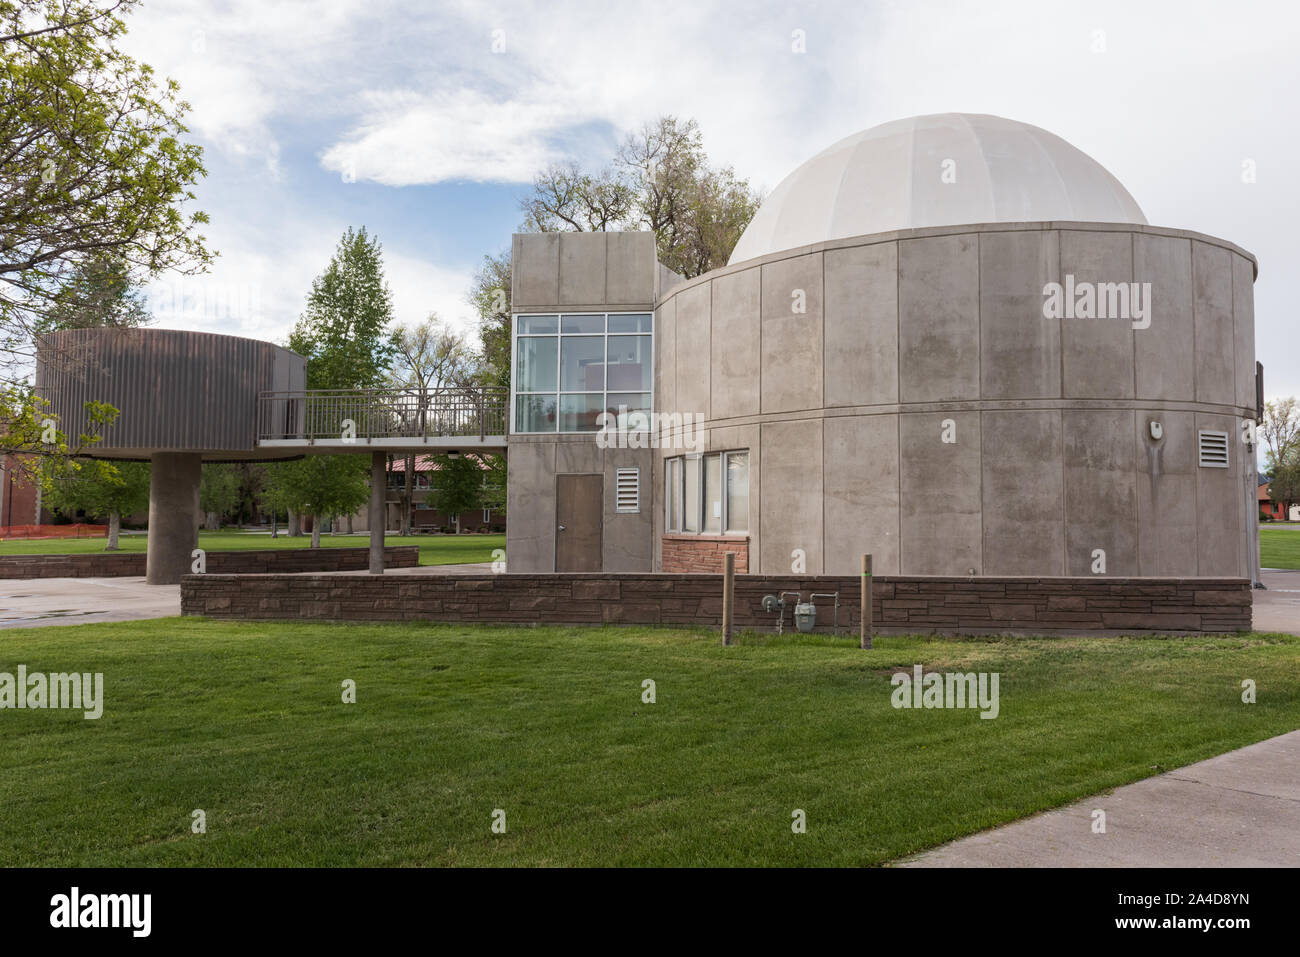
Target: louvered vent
{"x": 1214, "y": 449}
{"x": 627, "y": 490}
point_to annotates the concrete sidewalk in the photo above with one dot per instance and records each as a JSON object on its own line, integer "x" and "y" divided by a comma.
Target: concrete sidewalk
{"x": 1240, "y": 809}
{"x": 37, "y": 602}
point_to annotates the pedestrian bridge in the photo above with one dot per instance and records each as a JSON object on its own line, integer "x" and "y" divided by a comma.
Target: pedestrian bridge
{"x": 467, "y": 419}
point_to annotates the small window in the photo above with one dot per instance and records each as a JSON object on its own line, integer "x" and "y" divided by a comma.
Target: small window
{"x": 627, "y": 490}
{"x": 1214, "y": 449}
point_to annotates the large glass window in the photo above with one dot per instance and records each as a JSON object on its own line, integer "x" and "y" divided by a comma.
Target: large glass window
{"x": 707, "y": 493}
{"x": 571, "y": 368}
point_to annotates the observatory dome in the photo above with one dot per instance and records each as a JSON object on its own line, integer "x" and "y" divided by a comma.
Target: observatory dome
{"x": 944, "y": 169}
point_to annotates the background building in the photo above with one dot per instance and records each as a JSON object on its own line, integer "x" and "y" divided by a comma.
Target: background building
{"x": 875, "y": 373}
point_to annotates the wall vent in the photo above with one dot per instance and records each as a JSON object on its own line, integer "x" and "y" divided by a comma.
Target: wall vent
{"x": 627, "y": 490}
{"x": 1214, "y": 449}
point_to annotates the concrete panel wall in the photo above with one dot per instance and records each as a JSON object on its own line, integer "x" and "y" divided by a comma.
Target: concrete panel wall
{"x": 693, "y": 335}
{"x": 1243, "y": 319}
{"x": 1097, "y": 357}
{"x": 530, "y": 505}
{"x": 792, "y": 334}
{"x": 1020, "y": 351}
{"x": 583, "y": 271}
{"x": 1100, "y": 491}
{"x": 941, "y": 528}
{"x": 1220, "y": 503}
{"x": 1166, "y": 491}
{"x": 1053, "y": 457}
{"x": 1215, "y": 336}
{"x": 860, "y": 499}
{"x": 861, "y": 340}
{"x": 791, "y": 510}
{"x": 1022, "y": 495}
{"x": 938, "y": 318}
{"x": 735, "y": 365}
{"x": 1163, "y": 354}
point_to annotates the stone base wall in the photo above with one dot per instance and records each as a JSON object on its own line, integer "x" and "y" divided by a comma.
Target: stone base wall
{"x": 693, "y": 553}
{"x": 251, "y": 562}
{"x": 900, "y": 604}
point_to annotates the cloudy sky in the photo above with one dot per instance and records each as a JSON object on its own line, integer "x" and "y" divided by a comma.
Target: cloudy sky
{"x": 401, "y": 116}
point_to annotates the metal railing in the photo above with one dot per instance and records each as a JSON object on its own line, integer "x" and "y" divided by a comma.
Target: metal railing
{"x": 381, "y": 414}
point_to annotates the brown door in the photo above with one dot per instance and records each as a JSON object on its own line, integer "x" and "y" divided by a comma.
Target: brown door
{"x": 578, "y": 503}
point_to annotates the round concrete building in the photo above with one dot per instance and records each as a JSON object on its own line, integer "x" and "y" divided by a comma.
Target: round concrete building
{"x": 955, "y": 342}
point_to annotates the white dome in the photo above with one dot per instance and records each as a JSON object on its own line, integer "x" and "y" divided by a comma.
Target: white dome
{"x": 892, "y": 176}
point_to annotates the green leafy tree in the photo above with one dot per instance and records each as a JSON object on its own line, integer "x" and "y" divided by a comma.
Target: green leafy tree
{"x": 428, "y": 356}
{"x": 218, "y": 492}
{"x": 457, "y": 485}
{"x": 93, "y": 168}
{"x": 343, "y": 332}
{"x": 1284, "y": 486}
{"x": 100, "y": 489}
{"x": 661, "y": 180}
{"x": 490, "y": 297}
{"x": 319, "y": 486}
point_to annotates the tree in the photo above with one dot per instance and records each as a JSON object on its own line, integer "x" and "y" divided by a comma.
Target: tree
{"x": 490, "y": 297}
{"x": 101, "y": 292}
{"x": 660, "y": 180}
{"x": 343, "y": 331}
{"x": 93, "y": 165}
{"x": 218, "y": 492}
{"x": 457, "y": 485}
{"x": 319, "y": 486}
{"x": 1281, "y": 431}
{"x": 427, "y": 356}
{"x": 98, "y": 488}
{"x": 1284, "y": 486}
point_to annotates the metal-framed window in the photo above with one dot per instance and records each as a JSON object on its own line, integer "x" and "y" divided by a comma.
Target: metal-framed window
{"x": 569, "y": 368}
{"x": 707, "y": 493}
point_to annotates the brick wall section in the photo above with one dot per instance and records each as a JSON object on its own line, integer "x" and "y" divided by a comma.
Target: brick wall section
{"x": 685, "y": 554}
{"x": 902, "y": 604}
{"x": 252, "y": 562}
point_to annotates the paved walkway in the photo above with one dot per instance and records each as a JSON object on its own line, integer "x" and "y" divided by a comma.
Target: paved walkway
{"x": 36, "y": 602}
{"x": 1277, "y": 605}
{"x": 1240, "y": 809}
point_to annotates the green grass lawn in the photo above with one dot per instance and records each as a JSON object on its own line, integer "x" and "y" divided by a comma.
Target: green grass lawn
{"x": 245, "y": 721}
{"x": 1279, "y": 546}
{"x": 434, "y": 549}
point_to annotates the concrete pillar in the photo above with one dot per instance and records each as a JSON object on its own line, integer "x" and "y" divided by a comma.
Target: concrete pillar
{"x": 378, "y": 481}
{"x": 173, "y": 515}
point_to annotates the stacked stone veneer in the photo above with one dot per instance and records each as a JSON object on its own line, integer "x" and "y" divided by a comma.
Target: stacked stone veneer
{"x": 917, "y": 604}
{"x": 252, "y": 562}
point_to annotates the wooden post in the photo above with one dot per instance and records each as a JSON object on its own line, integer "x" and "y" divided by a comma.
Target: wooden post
{"x": 865, "y": 600}
{"x": 728, "y": 595}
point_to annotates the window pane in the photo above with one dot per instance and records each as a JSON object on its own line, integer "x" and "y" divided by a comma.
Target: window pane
{"x": 582, "y": 367}
{"x": 713, "y": 493}
{"x": 535, "y": 324}
{"x": 737, "y": 491}
{"x": 582, "y": 324}
{"x": 691, "y": 497}
{"x": 630, "y": 409}
{"x": 637, "y": 323}
{"x": 630, "y": 363}
{"x": 578, "y": 413}
{"x": 673, "y": 494}
{"x": 536, "y": 371}
{"x": 535, "y": 413}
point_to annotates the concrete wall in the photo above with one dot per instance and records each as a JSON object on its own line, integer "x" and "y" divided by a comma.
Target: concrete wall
{"x": 579, "y": 272}
{"x": 842, "y": 367}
